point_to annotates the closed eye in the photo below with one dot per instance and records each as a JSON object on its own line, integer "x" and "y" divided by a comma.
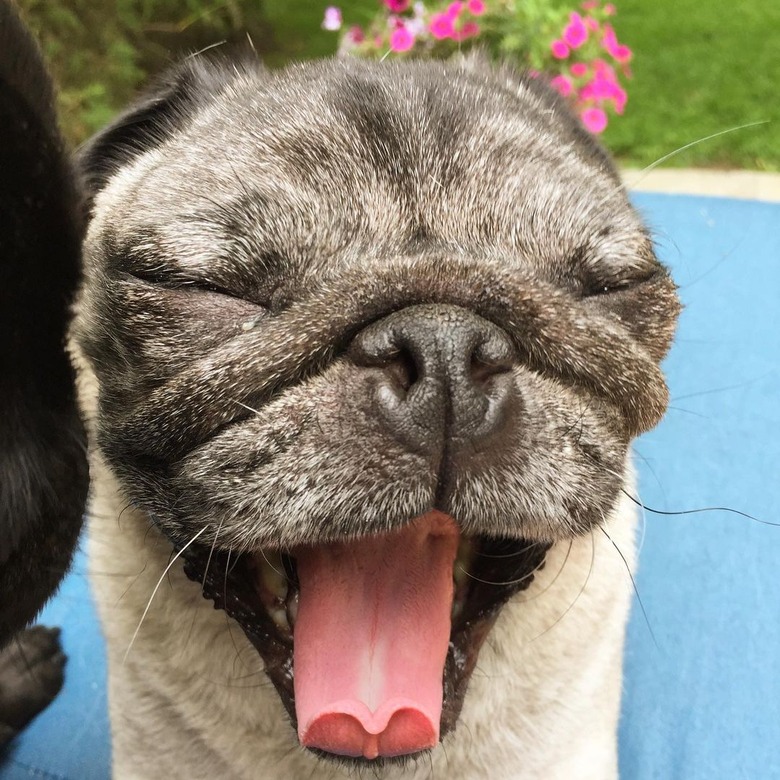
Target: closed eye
{"x": 168, "y": 279}
{"x": 609, "y": 286}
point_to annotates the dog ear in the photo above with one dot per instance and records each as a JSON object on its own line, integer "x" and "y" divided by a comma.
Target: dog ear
{"x": 43, "y": 465}
{"x": 165, "y": 106}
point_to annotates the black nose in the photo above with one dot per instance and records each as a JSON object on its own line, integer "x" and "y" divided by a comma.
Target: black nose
{"x": 446, "y": 372}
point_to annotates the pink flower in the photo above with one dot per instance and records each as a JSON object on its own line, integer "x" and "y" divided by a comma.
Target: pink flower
{"x": 576, "y": 33}
{"x": 355, "y": 34}
{"x": 559, "y": 49}
{"x": 589, "y": 5}
{"x": 604, "y": 69}
{"x": 562, "y": 84}
{"x": 591, "y": 23}
{"x": 578, "y": 69}
{"x": 469, "y": 30}
{"x": 620, "y": 99}
{"x": 454, "y": 9}
{"x": 401, "y": 39}
{"x": 598, "y": 89}
{"x": 441, "y": 27}
{"x": 476, "y": 7}
{"x": 601, "y": 89}
{"x": 594, "y": 119}
{"x": 610, "y": 42}
{"x": 622, "y": 53}
{"x": 610, "y": 9}
{"x": 397, "y": 6}
{"x": 332, "y": 20}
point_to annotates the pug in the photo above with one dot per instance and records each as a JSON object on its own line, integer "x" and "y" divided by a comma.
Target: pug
{"x": 43, "y": 463}
{"x": 362, "y": 348}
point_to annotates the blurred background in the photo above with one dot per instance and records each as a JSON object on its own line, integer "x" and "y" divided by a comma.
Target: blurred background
{"x": 698, "y": 67}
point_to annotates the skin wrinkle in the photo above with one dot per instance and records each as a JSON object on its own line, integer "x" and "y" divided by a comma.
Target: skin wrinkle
{"x": 204, "y": 383}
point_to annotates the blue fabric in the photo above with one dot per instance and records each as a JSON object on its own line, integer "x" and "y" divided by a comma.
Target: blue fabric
{"x": 703, "y": 701}
{"x": 702, "y": 686}
{"x": 69, "y": 740}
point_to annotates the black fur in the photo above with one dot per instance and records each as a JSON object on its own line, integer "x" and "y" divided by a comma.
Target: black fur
{"x": 43, "y": 470}
{"x": 167, "y": 103}
{"x": 31, "y": 675}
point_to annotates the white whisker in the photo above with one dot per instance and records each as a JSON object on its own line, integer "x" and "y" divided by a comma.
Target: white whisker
{"x": 579, "y": 593}
{"x": 156, "y": 588}
{"x": 205, "y": 49}
{"x": 211, "y": 553}
{"x": 252, "y": 45}
{"x": 554, "y": 579}
{"x": 248, "y": 408}
{"x": 283, "y": 575}
{"x": 643, "y": 173}
{"x": 653, "y": 165}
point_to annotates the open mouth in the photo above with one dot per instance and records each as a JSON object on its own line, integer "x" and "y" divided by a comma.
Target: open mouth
{"x": 370, "y": 643}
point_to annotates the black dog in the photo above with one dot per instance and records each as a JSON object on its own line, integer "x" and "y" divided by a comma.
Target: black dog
{"x": 43, "y": 471}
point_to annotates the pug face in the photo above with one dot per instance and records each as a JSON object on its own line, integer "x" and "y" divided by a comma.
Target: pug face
{"x": 369, "y": 339}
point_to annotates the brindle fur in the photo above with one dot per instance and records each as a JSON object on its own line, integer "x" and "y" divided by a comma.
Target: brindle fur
{"x": 247, "y": 227}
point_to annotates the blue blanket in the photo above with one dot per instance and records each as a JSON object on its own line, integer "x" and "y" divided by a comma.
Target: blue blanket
{"x": 702, "y": 684}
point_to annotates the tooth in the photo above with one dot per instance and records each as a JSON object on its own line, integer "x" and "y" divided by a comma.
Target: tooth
{"x": 292, "y": 608}
{"x": 279, "y": 616}
{"x": 273, "y": 576}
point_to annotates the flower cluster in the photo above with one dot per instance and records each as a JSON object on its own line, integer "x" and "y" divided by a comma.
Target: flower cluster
{"x": 590, "y": 62}
{"x": 402, "y": 26}
{"x": 578, "y": 50}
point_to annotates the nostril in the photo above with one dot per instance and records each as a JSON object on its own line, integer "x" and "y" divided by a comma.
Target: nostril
{"x": 390, "y": 350}
{"x": 437, "y": 371}
{"x": 375, "y": 347}
{"x": 402, "y": 367}
{"x": 491, "y": 356}
{"x": 482, "y": 371}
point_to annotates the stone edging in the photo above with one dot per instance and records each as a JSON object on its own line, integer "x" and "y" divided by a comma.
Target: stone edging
{"x": 748, "y": 185}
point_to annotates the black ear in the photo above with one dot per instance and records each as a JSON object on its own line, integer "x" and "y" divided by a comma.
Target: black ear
{"x": 166, "y": 105}
{"x": 43, "y": 465}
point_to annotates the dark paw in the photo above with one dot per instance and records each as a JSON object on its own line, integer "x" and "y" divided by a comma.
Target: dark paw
{"x": 31, "y": 675}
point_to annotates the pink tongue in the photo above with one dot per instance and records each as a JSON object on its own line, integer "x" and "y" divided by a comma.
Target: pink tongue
{"x": 371, "y": 638}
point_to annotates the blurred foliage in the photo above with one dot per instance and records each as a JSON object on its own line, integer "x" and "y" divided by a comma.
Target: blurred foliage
{"x": 699, "y": 67}
{"x": 101, "y": 53}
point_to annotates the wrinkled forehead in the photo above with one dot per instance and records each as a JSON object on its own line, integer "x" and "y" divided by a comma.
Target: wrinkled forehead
{"x": 358, "y": 167}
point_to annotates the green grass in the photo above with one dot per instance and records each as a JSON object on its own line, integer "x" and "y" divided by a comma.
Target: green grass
{"x": 701, "y": 67}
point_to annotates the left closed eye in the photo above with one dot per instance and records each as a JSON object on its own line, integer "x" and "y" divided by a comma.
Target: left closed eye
{"x": 169, "y": 280}
{"x": 599, "y": 287}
